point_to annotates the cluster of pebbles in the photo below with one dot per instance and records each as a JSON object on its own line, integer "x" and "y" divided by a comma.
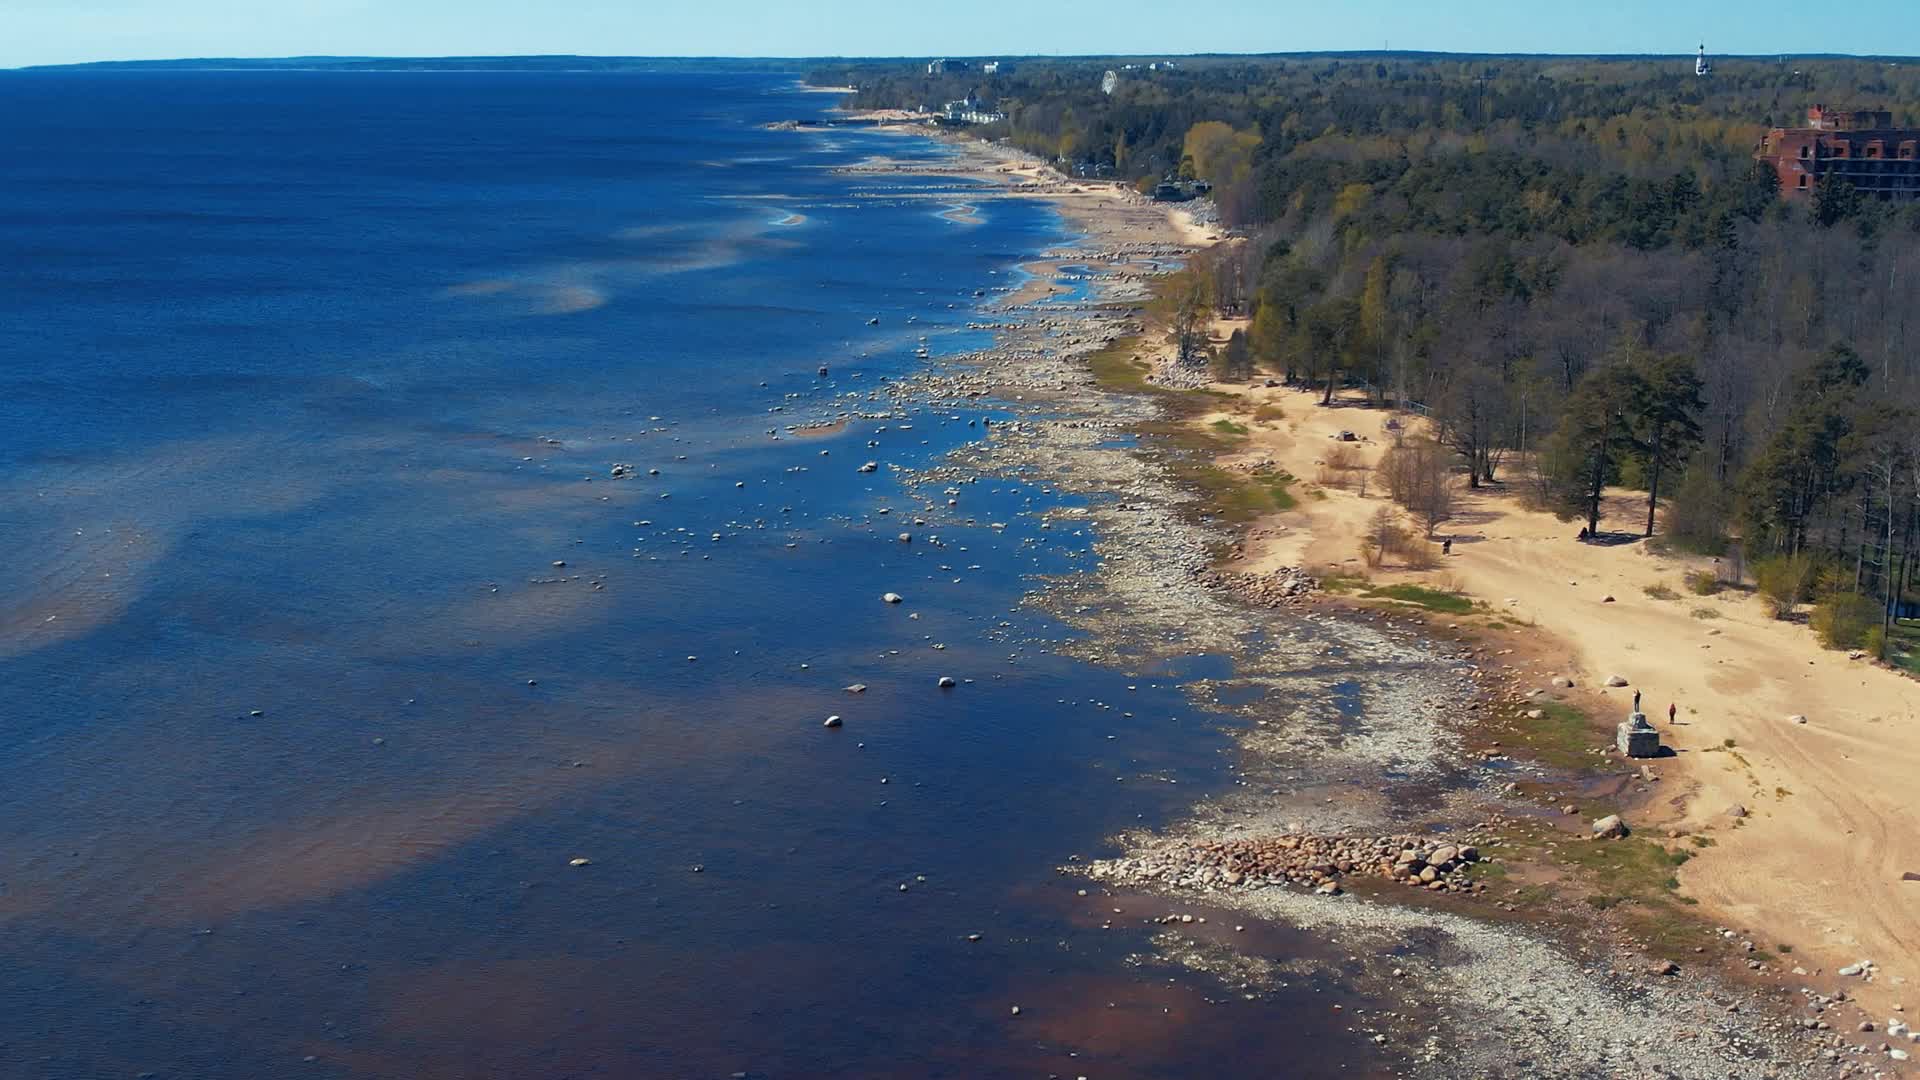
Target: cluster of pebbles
{"x": 1318, "y": 862}
{"x": 1285, "y": 587}
{"x": 1174, "y": 374}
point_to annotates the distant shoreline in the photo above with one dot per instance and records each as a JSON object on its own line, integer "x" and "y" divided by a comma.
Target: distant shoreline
{"x": 584, "y": 62}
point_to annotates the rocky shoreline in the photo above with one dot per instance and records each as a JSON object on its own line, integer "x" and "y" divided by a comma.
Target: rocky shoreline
{"x": 1316, "y": 862}
{"x": 1351, "y": 770}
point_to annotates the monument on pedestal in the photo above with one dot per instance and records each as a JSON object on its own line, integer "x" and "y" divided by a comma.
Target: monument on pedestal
{"x": 1637, "y": 738}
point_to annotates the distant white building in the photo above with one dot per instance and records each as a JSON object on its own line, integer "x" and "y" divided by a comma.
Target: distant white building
{"x": 1109, "y": 82}
{"x": 942, "y": 67}
{"x": 970, "y": 110}
{"x": 997, "y": 67}
{"x": 1700, "y": 66}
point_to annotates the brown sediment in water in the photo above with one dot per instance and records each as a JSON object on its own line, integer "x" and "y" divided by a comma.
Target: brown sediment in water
{"x": 1042, "y": 285}
{"x": 819, "y": 431}
{"x": 963, "y": 214}
{"x": 425, "y": 793}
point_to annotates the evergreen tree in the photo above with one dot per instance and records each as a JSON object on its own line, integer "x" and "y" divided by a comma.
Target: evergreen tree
{"x": 1664, "y": 412}
{"x": 1595, "y": 434}
{"x": 1796, "y": 472}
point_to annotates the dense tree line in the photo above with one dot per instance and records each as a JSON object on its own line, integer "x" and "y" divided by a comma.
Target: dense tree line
{"x": 1573, "y": 266}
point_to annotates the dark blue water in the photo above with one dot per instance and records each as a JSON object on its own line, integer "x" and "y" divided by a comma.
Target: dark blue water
{"x": 308, "y": 382}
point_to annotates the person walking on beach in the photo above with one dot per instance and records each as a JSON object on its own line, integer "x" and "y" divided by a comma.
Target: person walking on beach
{"x": 1671, "y": 710}
{"x": 1446, "y": 546}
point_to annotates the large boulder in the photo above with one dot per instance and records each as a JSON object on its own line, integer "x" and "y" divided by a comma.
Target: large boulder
{"x": 1609, "y": 828}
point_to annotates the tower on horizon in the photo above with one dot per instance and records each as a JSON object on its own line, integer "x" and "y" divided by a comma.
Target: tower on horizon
{"x": 1700, "y": 65}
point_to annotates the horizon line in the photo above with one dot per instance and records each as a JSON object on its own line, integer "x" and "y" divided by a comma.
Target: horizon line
{"x": 1769, "y": 57}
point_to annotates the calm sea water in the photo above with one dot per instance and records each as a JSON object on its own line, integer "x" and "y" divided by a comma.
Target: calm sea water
{"x": 308, "y": 382}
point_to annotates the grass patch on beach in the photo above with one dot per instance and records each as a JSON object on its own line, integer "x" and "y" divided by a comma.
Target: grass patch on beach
{"x": 1633, "y": 878}
{"x": 1636, "y": 876}
{"x": 1334, "y": 581}
{"x": 1561, "y": 736}
{"x": 1115, "y": 369}
{"x": 1277, "y": 488}
{"x": 1229, "y": 495}
{"x": 1232, "y": 496}
{"x": 1268, "y": 413}
{"x": 1447, "y": 603}
{"x": 1661, "y": 591}
{"x": 1228, "y": 427}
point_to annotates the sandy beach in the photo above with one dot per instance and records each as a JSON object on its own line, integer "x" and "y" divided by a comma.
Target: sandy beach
{"x": 1791, "y": 839}
{"x": 1812, "y": 822}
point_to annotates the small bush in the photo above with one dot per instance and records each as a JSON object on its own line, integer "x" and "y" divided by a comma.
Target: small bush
{"x": 1661, "y": 591}
{"x": 1783, "y": 582}
{"x": 1418, "y": 474}
{"x": 1705, "y": 613}
{"x": 1384, "y": 537}
{"x": 1704, "y": 583}
{"x": 1875, "y": 642}
{"x": 1843, "y": 620}
{"x": 1266, "y": 413}
{"x": 1418, "y": 554}
{"x": 1339, "y": 468}
{"x": 1228, "y": 427}
{"x": 1696, "y": 516}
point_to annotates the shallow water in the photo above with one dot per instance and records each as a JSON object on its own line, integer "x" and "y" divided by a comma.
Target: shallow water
{"x": 309, "y": 382}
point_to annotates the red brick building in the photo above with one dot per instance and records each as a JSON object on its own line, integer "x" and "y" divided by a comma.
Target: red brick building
{"x": 1860, "y": 146}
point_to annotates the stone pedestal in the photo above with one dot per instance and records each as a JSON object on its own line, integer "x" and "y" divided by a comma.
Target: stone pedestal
{"x": 1637, "y": 738}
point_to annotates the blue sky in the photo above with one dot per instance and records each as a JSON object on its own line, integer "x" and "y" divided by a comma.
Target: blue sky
{"x": 57, "y": 31}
